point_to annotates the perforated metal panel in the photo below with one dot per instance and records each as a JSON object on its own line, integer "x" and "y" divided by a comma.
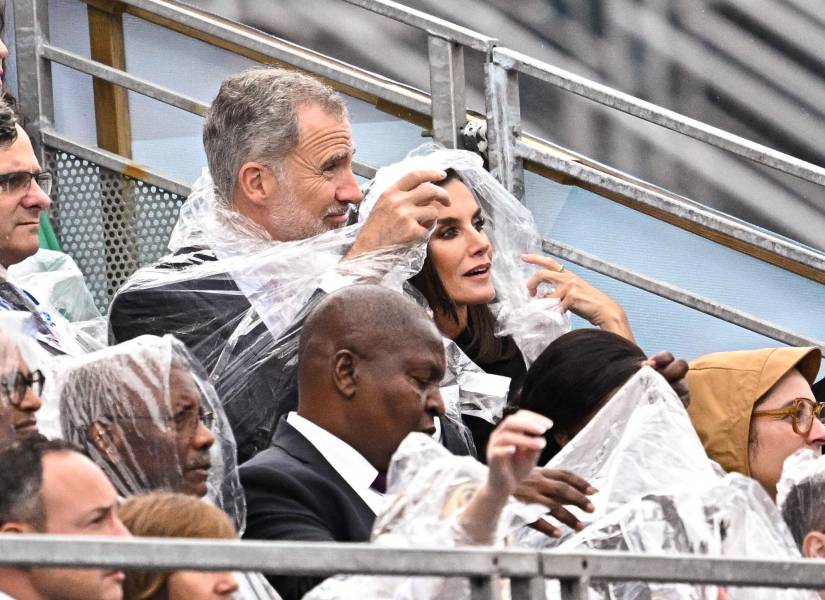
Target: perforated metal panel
{"x": 109, "y": 223}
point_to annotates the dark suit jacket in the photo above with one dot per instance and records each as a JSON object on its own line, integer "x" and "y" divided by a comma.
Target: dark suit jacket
{"x": 254, "y": 374}
{"x": 819, "y": 390}
{"x": 248, "y": 371}
{"x": 293, "y": 493}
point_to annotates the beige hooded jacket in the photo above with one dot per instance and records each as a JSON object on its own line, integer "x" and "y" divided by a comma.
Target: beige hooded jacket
{"x": 725, "y": 386}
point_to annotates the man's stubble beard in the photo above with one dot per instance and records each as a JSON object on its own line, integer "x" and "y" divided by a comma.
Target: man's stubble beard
{"x": 290, "y": 222}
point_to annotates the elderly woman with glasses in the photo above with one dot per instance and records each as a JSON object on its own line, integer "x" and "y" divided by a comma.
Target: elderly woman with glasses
{"x": 754, "y": 408}
{"x": 20, "y": 389}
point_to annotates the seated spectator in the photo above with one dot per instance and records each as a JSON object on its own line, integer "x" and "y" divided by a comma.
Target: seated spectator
{"x": 579, "y": 372}
{"x": 20, "y": 390}
{"x": 754, "y": 408}
{"x": 146, "y": 415}
{"x": 49, "y": 487}
{"x": 279, "y": 147}
{"x": 480, "y": 281}
{"x": 24, "y": 194}
{"x": 370, "y": 365}
{"x": 801, "y": 498}
{"x": 438, "y": 499}
{"x": 176, "y": 515}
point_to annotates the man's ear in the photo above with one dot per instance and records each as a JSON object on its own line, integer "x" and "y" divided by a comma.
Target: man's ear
{"x": 257, "y": 183}
{"x": 104, "y": 437}
{"x": 813, "y": 546}
{"x": 16, "y": 527}
{"x": 344, "y": 373}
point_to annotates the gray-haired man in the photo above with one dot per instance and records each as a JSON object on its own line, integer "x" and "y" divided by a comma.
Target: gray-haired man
{"x": 279, "y": 147}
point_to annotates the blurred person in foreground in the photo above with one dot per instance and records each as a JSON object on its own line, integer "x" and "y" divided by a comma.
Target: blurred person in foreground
{"x": 49, "y": 487}
{"x": 177, "y": 515}
{"x": 754, "y": 408}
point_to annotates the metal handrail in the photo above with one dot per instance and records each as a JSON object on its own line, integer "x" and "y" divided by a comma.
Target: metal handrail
{"x": 308, "y": 558}
{"x": 122, "y": 78}
{"x": 269, "y": 47}
{"x": 805, "y": 260}
{"x": 680, "y": 296}
{"x": 675, "y": 206}
{"x": 612, "y": 98}
{"x": 426, "y": 22}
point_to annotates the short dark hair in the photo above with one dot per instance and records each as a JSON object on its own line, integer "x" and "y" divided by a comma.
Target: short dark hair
{"x": 804, "y": 507}
{"x": 21, "y": 479}
{"x": 574, "y": 376}
{"x": 8, "y": 124}
{"x": 484, "y": 346}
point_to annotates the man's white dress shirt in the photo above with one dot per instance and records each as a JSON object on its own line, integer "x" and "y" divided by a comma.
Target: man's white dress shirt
{"x": 346, "y": 460}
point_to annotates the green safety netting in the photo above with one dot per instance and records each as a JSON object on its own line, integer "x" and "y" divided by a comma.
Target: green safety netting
{"x": 48, "y": 239}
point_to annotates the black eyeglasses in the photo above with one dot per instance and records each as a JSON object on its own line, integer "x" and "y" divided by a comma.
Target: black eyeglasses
{"x": 20, "y": 182}
{"x": 13, "y": 385}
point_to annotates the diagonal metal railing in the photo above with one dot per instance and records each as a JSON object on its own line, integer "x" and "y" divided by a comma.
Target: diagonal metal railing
{"x": 444, "y": 111}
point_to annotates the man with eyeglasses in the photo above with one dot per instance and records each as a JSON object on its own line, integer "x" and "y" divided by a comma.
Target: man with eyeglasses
{"x": 20, "y": 390}
{"x": 24, "y": 195}
{"x": 24, "y": 192}
{"x": 754, "y": 408}
{"x": 138, "y": 411}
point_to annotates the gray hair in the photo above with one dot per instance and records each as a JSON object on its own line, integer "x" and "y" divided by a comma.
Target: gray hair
{"x": 254, "y": 117}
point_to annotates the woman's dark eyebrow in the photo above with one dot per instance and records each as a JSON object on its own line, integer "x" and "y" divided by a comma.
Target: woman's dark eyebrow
{"x": 448, "y": 221}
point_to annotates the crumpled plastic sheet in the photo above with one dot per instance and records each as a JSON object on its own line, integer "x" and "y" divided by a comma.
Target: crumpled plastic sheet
{"x": 47, "y": 325}
{"x": 247, "y": 338}
{"x": 135, "y": 408}
{"x": 659, "y": 493}
{"x": 533, "y": 322}
{"x": 800, "y": 493}
{"x": 55, "y": 280}
{"x": 427, "y": 489}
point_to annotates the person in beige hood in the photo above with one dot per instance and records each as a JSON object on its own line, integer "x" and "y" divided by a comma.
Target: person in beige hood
{"x": 754, "y": 408}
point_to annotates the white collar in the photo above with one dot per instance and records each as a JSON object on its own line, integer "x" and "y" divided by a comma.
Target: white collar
{"x": 346, "y": 460}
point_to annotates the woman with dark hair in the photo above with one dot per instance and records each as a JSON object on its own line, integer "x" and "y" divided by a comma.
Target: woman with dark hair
{"x": 574, "y": 378}
{"x": 457, "y": 284}
{"x": 480, "y": 281}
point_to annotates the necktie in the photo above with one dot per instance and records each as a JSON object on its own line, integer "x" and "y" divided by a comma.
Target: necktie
{"x": 380, "y": 483}
{"x": 17, "y": 300}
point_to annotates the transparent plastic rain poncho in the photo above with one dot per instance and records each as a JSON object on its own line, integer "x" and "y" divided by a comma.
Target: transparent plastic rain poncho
{"x": 63, "y": 316}
{"x": 241, "y": 314}
{"x": 659, "y": 493}
{"x": 145, "y": 413}
{"x": 427, "y": 490}
{"x": 18, "y": 413}
{"x": 533, "y": 322}
{"x": 56, "y": 281}
{"x": 801, "y": 493}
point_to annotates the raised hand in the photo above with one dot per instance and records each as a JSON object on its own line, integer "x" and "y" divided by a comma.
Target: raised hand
{"x": 514, "y": 449}
{"x": 578, "y": 296}
{"x": 674, "y": 371}
{"x": 555, "y": 488}
{"x": 404, "y": 213}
